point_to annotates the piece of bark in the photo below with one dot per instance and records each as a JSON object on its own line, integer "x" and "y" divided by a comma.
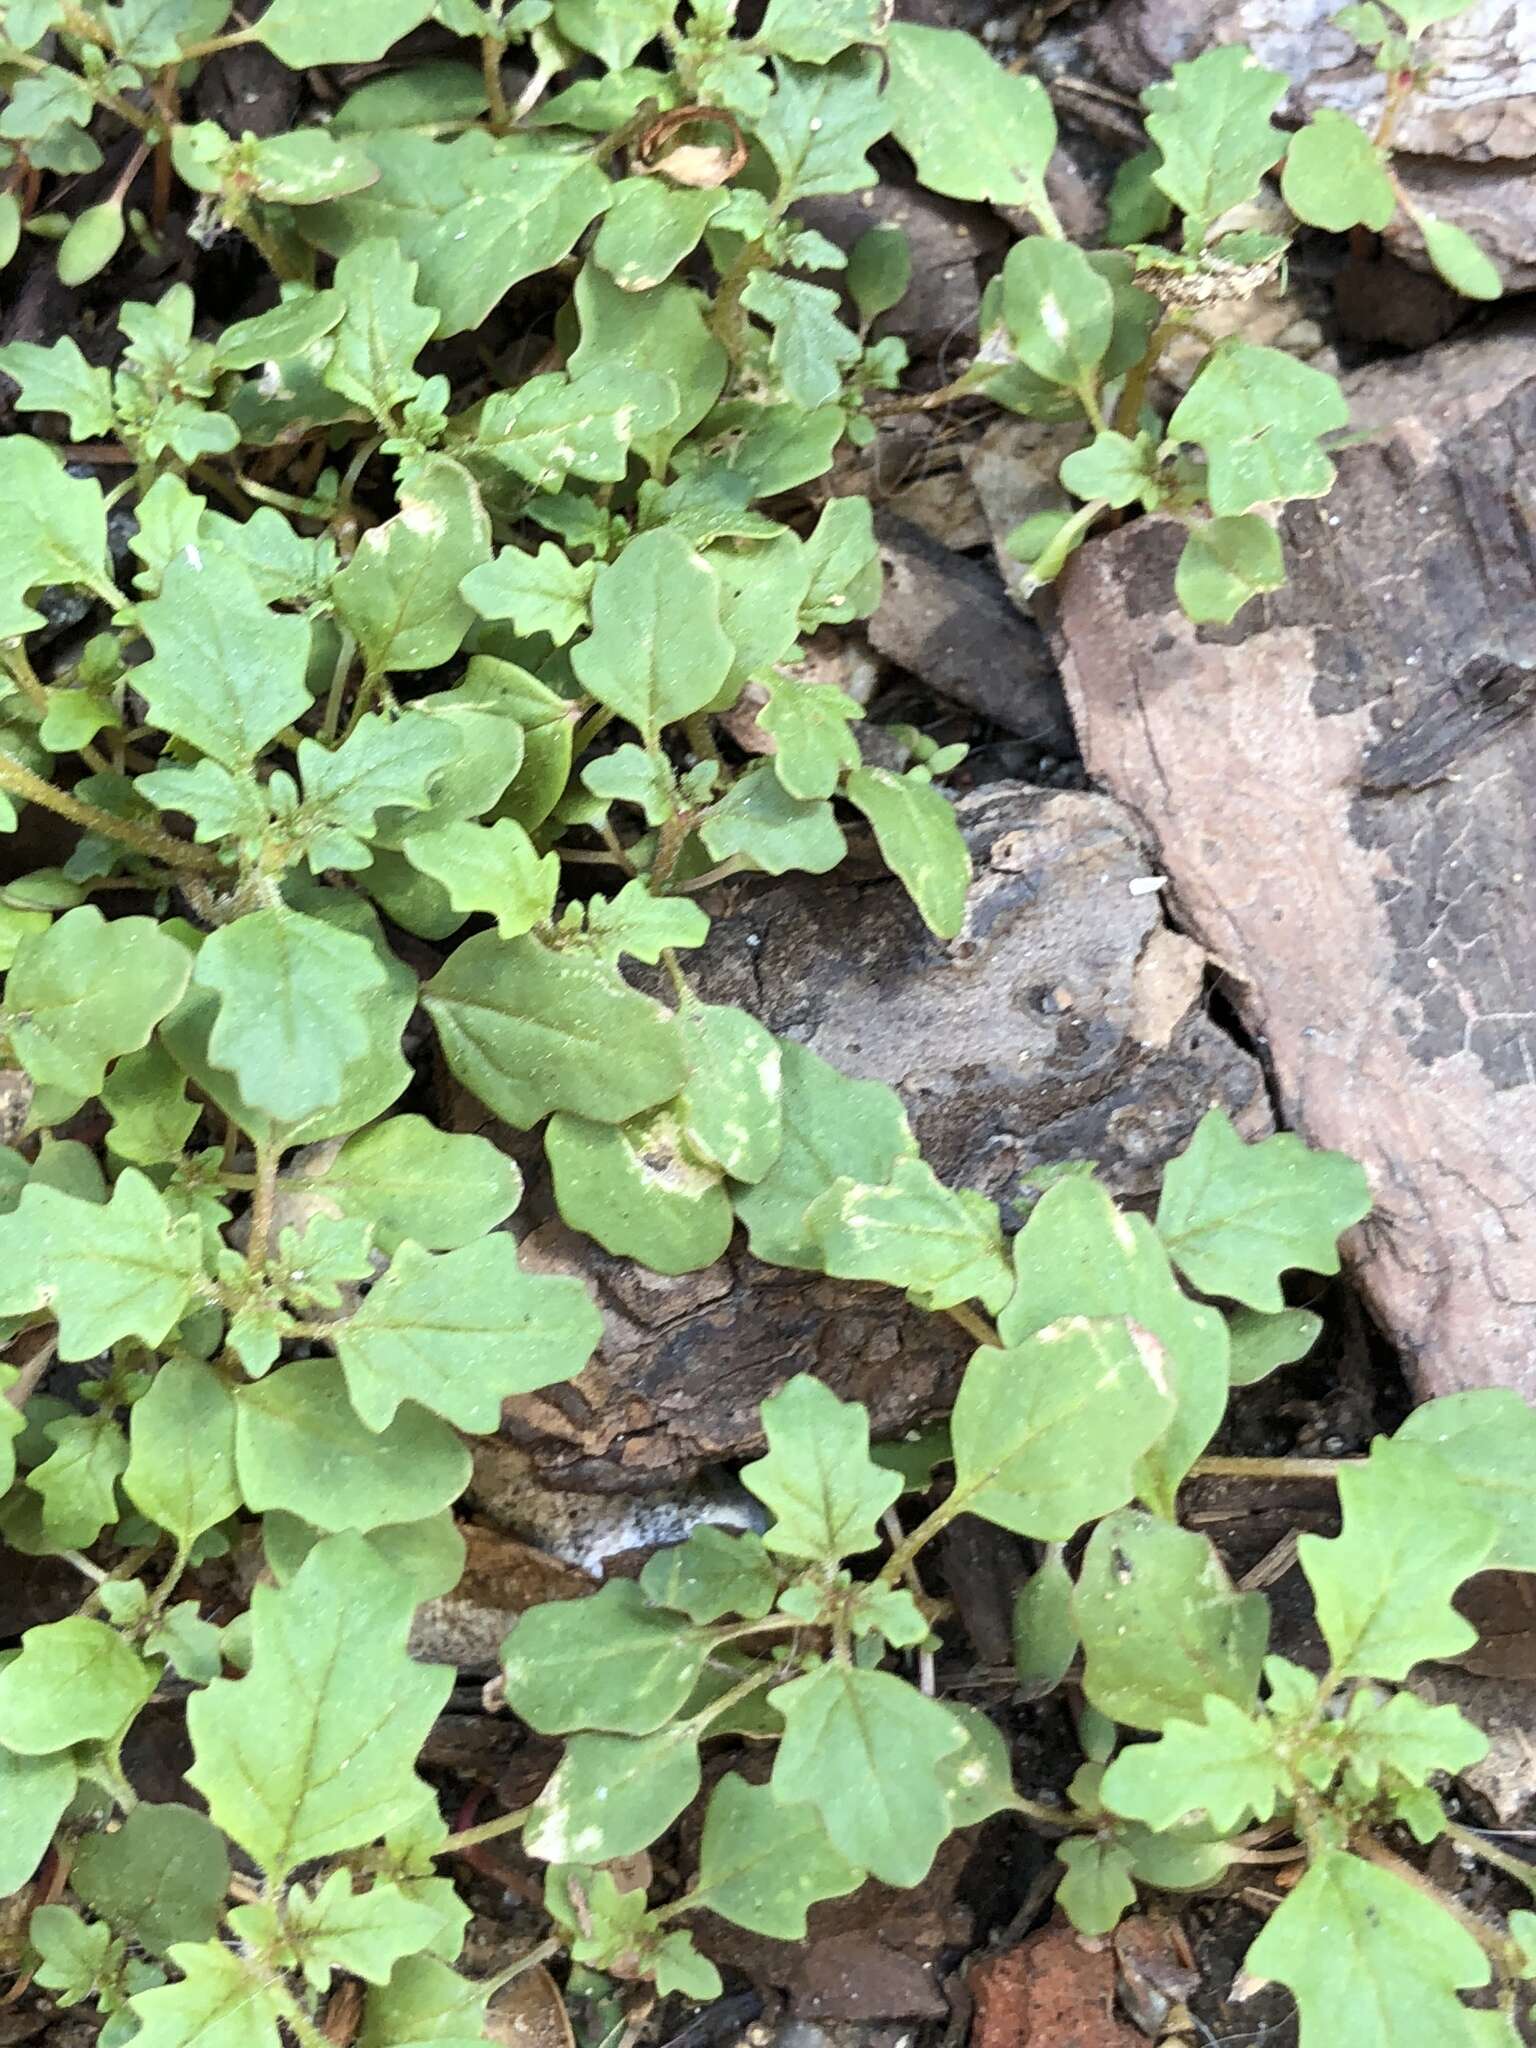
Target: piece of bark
{"x": 1342, "y": 786}
{"x": 949, "y": 621}
{"x": 1065, "y": 1022}
{"x": 1466, "y": 138}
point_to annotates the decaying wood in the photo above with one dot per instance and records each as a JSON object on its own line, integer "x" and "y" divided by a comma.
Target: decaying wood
{"x": 1066, "y": 1022}
{"x": 1342, "y": 786}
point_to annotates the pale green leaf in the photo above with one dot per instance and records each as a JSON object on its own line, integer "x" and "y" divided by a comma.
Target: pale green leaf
{"x": 832, "y": 1127}
{"x": 1488, "y": 1440}
{"x": 1045, "y": 1637}
{"x": 642, "y": 925}
{"x": 399, "y": 594}
{"x": 610, "y": 1662}
{"x": 409, "y": 1179}
{"x": 123, "y": 1270}
{"x": 74, "y": 1681}
{"x": 813, "y": 31}
{"x": 811, "y": 347}
{"x": 1383, "y": 1587}
{"x": 1402, "y": 1735}
{"x": 1114, "y": 469}
{"x": 731, "y": 1107}
{"x": 639, "y": 1190}
{"x": 844, "y": 560}
{"x": 813, "y": 745}
{"x": 973, "y": 130}
{"x": 59, "y": 1027}
{"x": 1372, "y": 1960}
{"x": 656, "y": 651}
{"x": 1262, "y": 1342}
{"x": 919, "y": 840}
{"x": 818, "y": 1481}
{"x": 1465, "y": 266}
{"x": 160, "y": 1877}
{"x": 1225, "y": 562}
{"x": 1059, "y": 311}
{"x": 181, "y": 1467}
{"x": 1211, "y": 123}
{"x": 294, "y": 1013}
{"x": 1048, "y": 1433}
{"x": 879, "y": 273}
{"x": 459, "y": 1332}
{"x": 1235, "y": 1216}
{"x": 328, "y": 1667}
{"x": 77, "y": 1481}
{"x": 1078, "y": 1254}
{"x": 222, "y": 2001}
{"x": 544, "y": 592}
{"x": 493, "y": 868}
{"x": 53, "y": 530}
{"x": 523, "y": 212}
{"x": 152, "y": 1116}
{"x": 59, "y": 379}
{"x": 299, "y": 1445}
{"x": 613, "y": 1795}
{"x": 864, "y": 1749}
{"x": 1224, "y": 1765}
{"x": 763, "y": 1862}
{"x": 715, "y": 1572}
{"x": 424, "y": 2002}
{"x": 1161, "y": 1626}
{"x": 342, "y": 32}
{"x": 758, "y": 818}
{"x": 34, "y": 1791}
{"x": 1334, "y": 177}
{"x": 614, "y": 30}
{"x": 820, "y": 121}
{"x": 529, "y": 1030}
{"x": 362, "y": 1932}
{"x": 1259, "y": 415}
{"x": 944, "y": 1245}
{"x": 381, "y": 331}
{"x": 649, "y": 229}
{"x": 382, "y": 765}
{"x": 1097, "y": 1891}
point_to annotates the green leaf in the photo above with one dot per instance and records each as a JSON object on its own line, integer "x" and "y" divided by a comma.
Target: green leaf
{"x": 613, "y": 1795}
{"x": 809, "y": 723}
{"x": 1464, "y": 266}
{"x": 1115, "y": 470}
{"x": 640, "y": 924}
{"x": 832, "y": 1126}
{"x": 529, "y": 1030}
{"x": 638, "y": 1190}
{"x": 382, "y": 764}
{"x": 619, "y": 329}
{"x": 811, "y": 347}
{"x": 328, "y": 1667}
{"x": 492, "y": 868}
{"x": 1077, "y": 1254}
{"x": 1161, "y": 1627}
{"x": 864, "y": 1749}
{"x": 1402, "y": 1735}
{"x": 77, "y": 1482}
{"x": 1488, "y": 1440}
{"x": 228, "y": 672}
{"x": 814, "y": 31}
{"x": 336, "y": 1928}
{"x": 649, "y": 229}
{"x": 59, "y": 379}
{"x": 1261, "y": 1342}
{"x": 879, "y": 273}
{"x": 731, "y": 1108}
{"x": 1045, "y": 1638}
{"x": 1059, "y": 311}
{"x": 152, "y": 1117}
{"x": 944, "y": 1245}
{"x": 1334, "y": 177}
{"x": 1211, "y": 123}
{"x": 424, "y": 2001}
{"x": 1383, "y": 1588}
{"x": 53, "y": 530}
{"x": 123, "y": 1270}
{"x": 844, "y": 560}
{"x": 160, "y": 1877}
{"x": 1097, "y": 1891}
{"x": 459, "y": 1332}
{"x": 1224, "y": 1765}
{"x": 973, "y": 130}
{"x": 820, "y": 121}
{"x": 610, "y": 1662}
{"x": 1258, "y": 414}
{"x": 293, "y": 1011}
{"x": 74, "y": 1681}
{"x": 919, "y": 840}
{"x": 34, "y": 1791}
{"x": 545, "y": 592}
{"x": 222, "y": 2001}
{"x": 522, "y": 213}
{"x": 1236, "y": 1216}
{"x": 1371, "y": 1960}
{"x": 1048, "y": 1433}
{"x": 763, "y": 1862}
{"x": 614, "y": 30}
{"x": 181, "y": 1467}
{"x": 59, "y": 1027}
{"x": 713, "y": 1573}
{"x": 553, "y": 427}
{"x": 399, "y": 594}
{"x": 1225, "y": 562}
{"x": 1418, "y": 15}
{"x": 409, "y": 1179}
{"x": 818, "y": 1481}
{"x": 344, "y": 32}
{"x": 299, "y": 1445}
{"x": 73, "y": 1958}
{"x": 759, "y": 819}
{"x": 656, "y": 652}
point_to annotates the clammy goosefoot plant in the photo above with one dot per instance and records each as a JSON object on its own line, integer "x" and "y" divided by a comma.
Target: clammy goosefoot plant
{"x": 392, "y": 722}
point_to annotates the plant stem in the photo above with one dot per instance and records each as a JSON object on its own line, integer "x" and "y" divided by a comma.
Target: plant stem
{"x": 1049, "y": 1816}
{"x": 214, "y": 44}
{"x": 267, "y": 1156}
{"x": 964, "y": 386}
{"x": 337, "y": 694}
{"x": 974, "y": 1325}
{"x": 1134, "y": 390}
{"x": 1516, "y": 1867}
{"x": 490, "y": 71}
{"x": 897, "y": 1564}
{"x": 17, "y": 780}
{"x": 487, "y": 1831}
{"x": 1272, "y": 1468}
{"x": 551, "y": 1945}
